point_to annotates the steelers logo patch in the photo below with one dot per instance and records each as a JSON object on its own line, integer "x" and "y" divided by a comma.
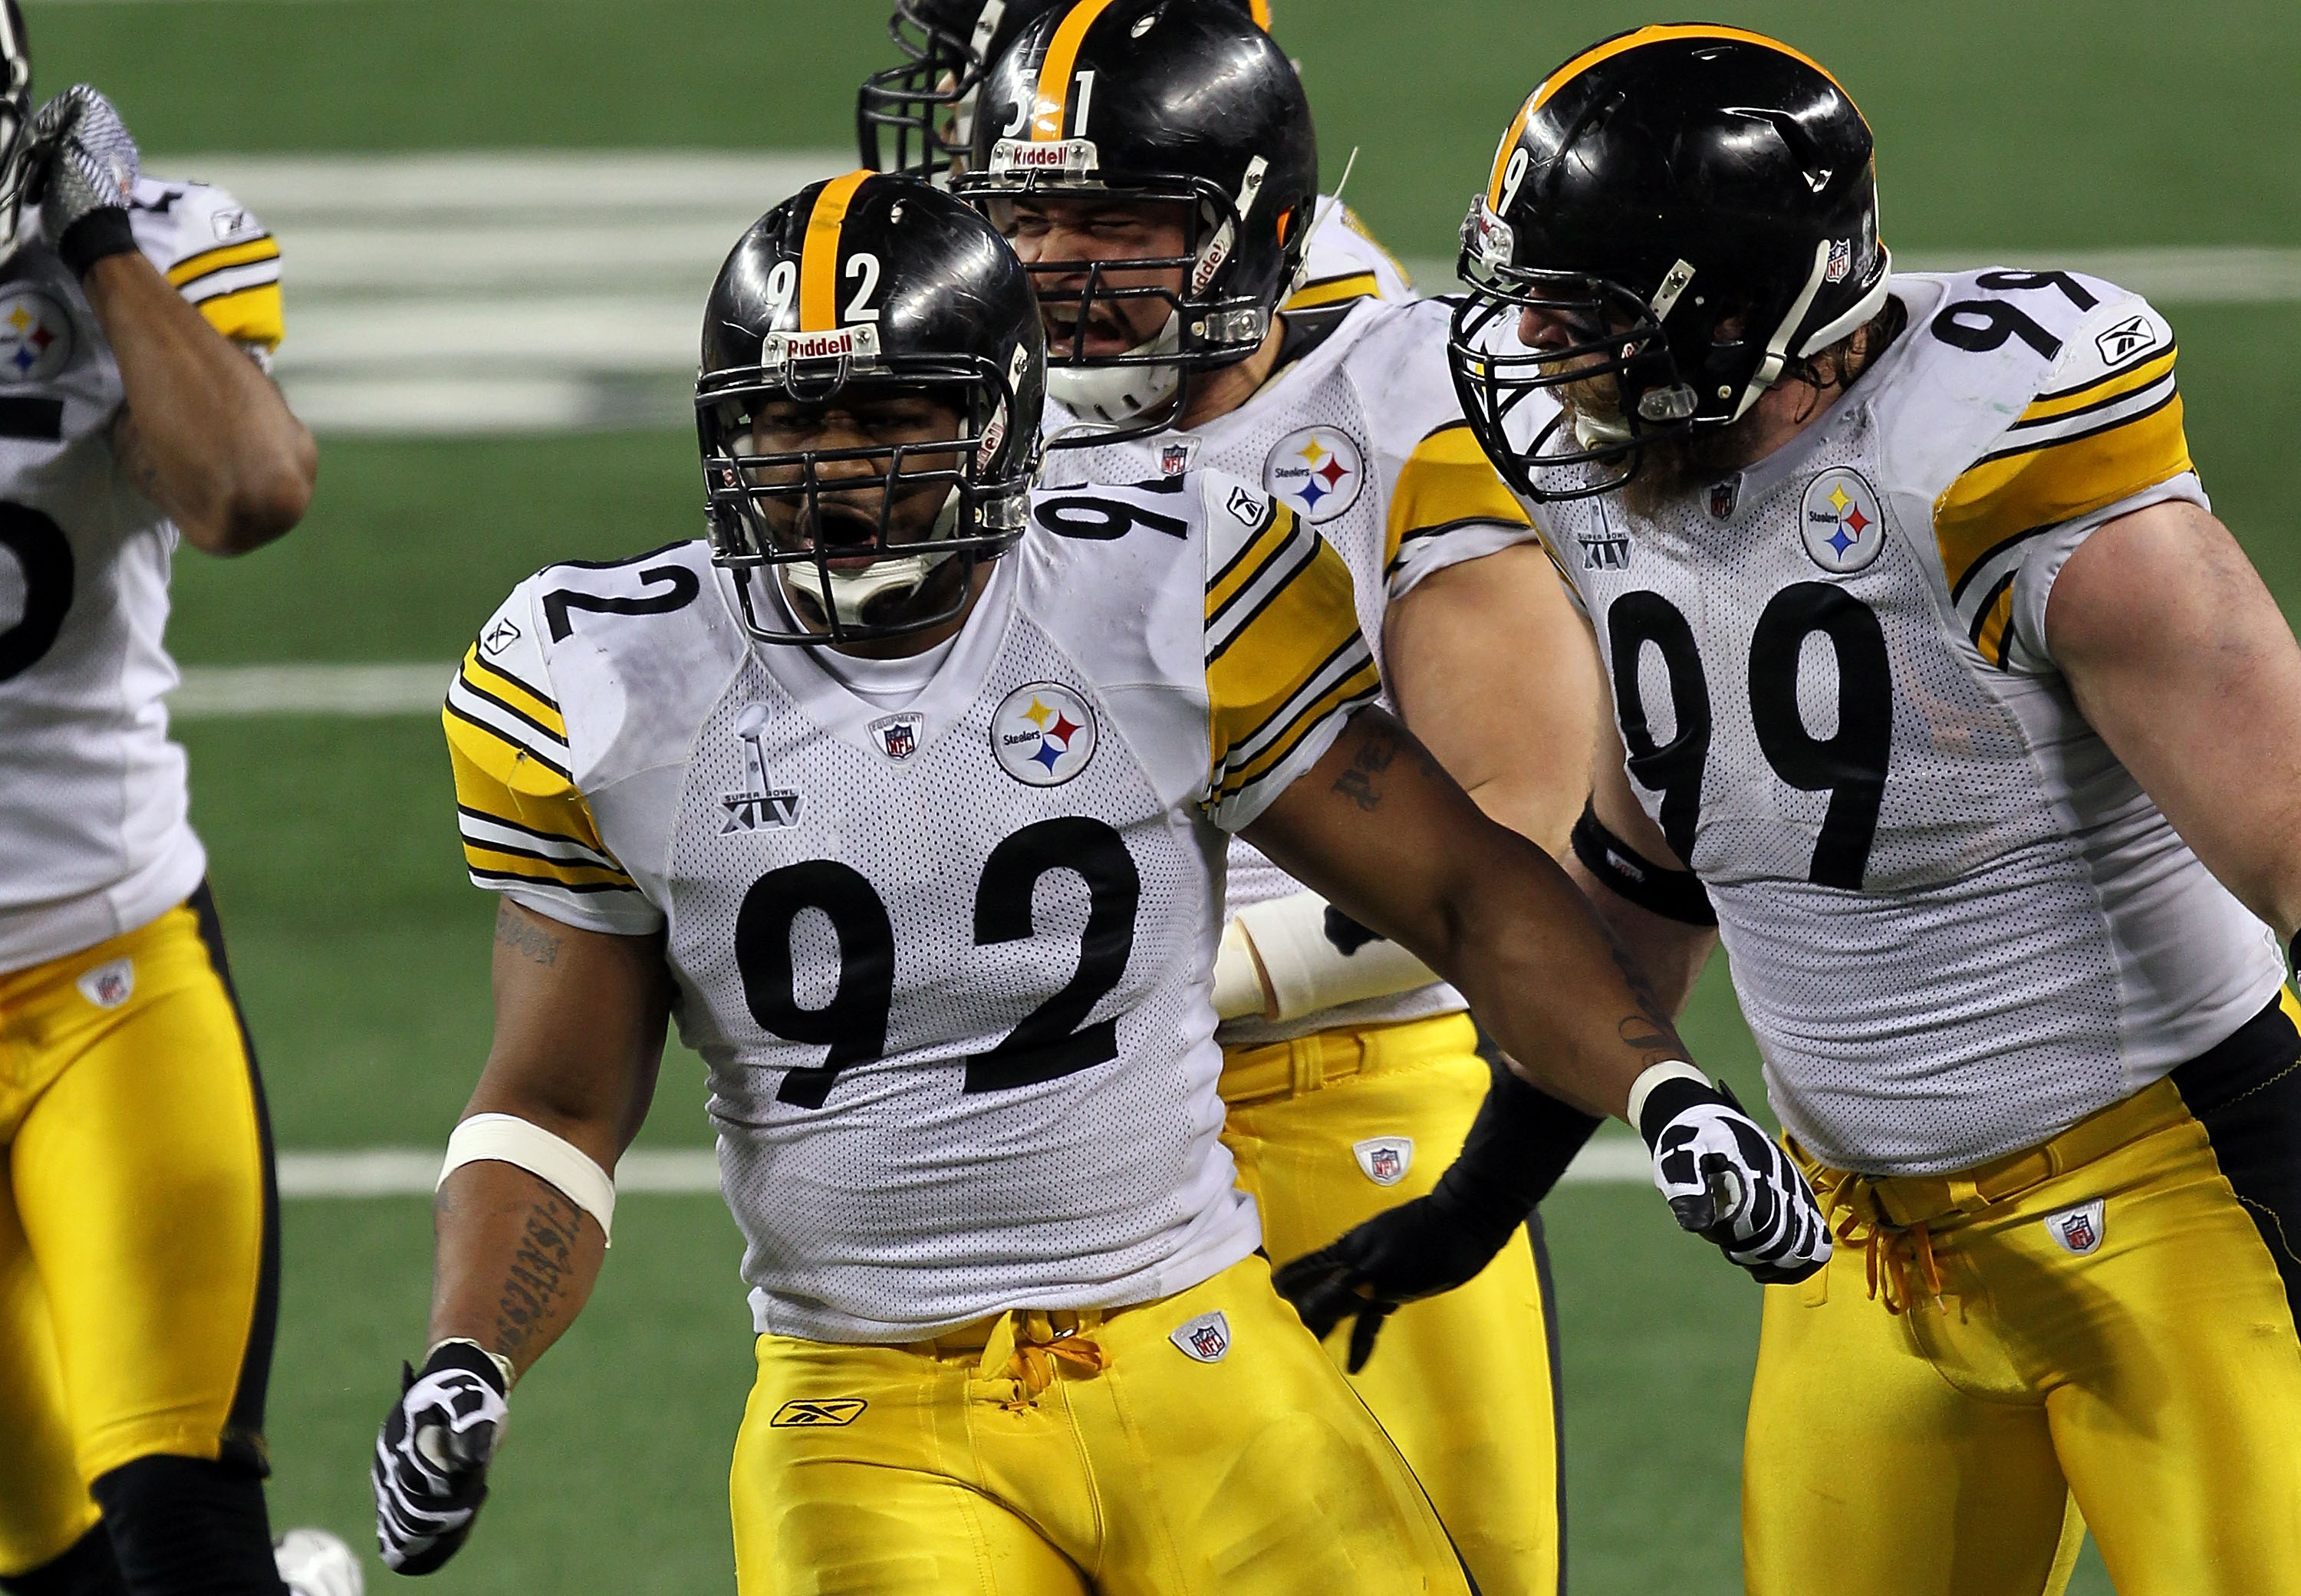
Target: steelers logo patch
{"x": 1845, "y": 528}
{"x": 1043, "y": 734}
{"x": 1317, "y": 472}
{"x": 35, "y": 336}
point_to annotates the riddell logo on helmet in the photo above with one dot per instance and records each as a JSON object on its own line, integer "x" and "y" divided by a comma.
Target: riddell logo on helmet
{"x": 1069, "y": 156}
{"x": 845, "y": 343}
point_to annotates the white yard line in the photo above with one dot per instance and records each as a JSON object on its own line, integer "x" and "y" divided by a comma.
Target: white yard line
{"x": 413, "y": 1172}
{"x": 223, "y": 692}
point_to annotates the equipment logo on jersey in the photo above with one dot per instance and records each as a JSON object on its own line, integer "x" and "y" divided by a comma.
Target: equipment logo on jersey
{"x": 35, "y": 336}
{"x": 1205, "y": 1339}
{"x": 803, "y": 1416}
{"x": 1385, "y": 1159}
{"x": 109, "y": 984}
{"x": 896, "y": 736}
{"x": 500, "y": 636}
{"x": 764, "y": 806}
{"x": 1319, "y": 471}
{"x": 2078, "y": 1230}
{"x": 1043, "y": 734}
{"x": 2131, "y": 337}
{"x": 1843, "y": 528}
{"x": 1724, "y": 497}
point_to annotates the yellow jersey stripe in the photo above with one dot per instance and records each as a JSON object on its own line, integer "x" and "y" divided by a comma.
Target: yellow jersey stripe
{"x": 1304, "y": 627}
{"x": 1510, "y": 142}
{"x": 1253, "y": 556}
{"x": 1335, "y": 291}
{"x": 514, "y": 766}
{"x": 1622, "y": 44}
{"x": 512, "y": 694}
{"x": 2105, "y": 390}
{"x": 1355, "y": 682}
{"x": 818, "y": 270}
{"x": 1991, "y": 626}
{"x": 1445, "y": 481}
{"x": 1055, "y": 73}
{"x": 2057, "y": 481}
{"x": 251, "y": 316}
{"x": 518, "y": 865}
{"x": 266, "y": 248}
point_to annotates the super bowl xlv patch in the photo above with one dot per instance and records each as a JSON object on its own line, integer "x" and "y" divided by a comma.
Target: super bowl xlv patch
{"x": 762, "y": 805}
{"x": 1205, "y": 1339}
{"x": 1043, "y": 734}
{"x": 2078, "y": 1230}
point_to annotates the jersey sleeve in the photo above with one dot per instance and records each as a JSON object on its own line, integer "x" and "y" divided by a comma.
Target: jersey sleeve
{"x": 2101, "y": 437}
{"x": 528, "y": 829}
{"x": 1287, "y": 665}
{"x": 217, "y": 255}
{"x": 1346, "y": 261}
{"x": 1449, "y": 505}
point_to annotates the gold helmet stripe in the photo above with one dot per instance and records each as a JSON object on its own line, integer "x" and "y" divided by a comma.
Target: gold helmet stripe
{"x": 1502, "y": 156}
{"x": 818, "y": 258}
{"x": 1054, "y": 91}
{"x": 1657, "y": 35}
{"x": 1261, "y": 10}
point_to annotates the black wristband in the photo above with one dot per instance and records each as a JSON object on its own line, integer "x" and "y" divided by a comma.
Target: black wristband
{"x": 1673, "y": 894}
{"x": 466, "y": 1356}
{"x": 1520, "y": 1142}
{"x": 97, "y": 236}
{"x": 1673, "y": 1097}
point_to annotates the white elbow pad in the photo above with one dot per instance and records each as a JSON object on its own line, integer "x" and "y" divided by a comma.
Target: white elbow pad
{"x": 508, "y": 1138}
{"x": 1307, "y": 972}
{"x": 1239, "y": 993}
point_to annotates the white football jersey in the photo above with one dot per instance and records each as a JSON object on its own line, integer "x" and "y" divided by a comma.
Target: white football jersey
{"x": 1957, "y": 924}
{"x": 1346, "y": 261}
{"x": 951, "y": 963}
{"x": 94, "y": 839}
{"x": 1363, "y": 437}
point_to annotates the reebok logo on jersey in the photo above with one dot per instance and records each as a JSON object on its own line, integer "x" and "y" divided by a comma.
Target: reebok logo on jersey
{"x": 803, "y": 1416}
{"x": 36, "y": 337}
{"x": 109, "y": 985}
{"x": 765, "y": 806}
{"x": 1844, "y": 529}
{"x": 1205, "y": 1339}
{"x": 1043, "y": 734}
{"x": 1319, "y": 473}
{"x": 500, "y": 636}
{"x": 2131, "y": 337}
{"x": 1384, "y": 1160}
{"x": 896, "y": 736}
{"x": 2078, "y": 1230}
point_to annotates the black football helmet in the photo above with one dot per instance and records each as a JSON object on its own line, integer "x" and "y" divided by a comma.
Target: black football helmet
{"x": 16, "y": 120}
{"x": 1187, "y": 102}
{"x": 867, "y": 289}
{"x": 918, "y": 116}
{"x": 1699, "y": 203}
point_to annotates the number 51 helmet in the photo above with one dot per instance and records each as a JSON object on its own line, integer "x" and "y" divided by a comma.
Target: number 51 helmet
{"x": 856, "y": 294}
{"x": 1698, "y": 204}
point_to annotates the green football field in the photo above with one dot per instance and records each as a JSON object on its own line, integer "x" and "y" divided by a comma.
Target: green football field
{"x": 2021, "y": 126}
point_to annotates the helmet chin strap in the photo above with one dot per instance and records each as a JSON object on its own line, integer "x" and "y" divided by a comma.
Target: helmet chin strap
{"x": 1121, "y": 393}
{"x": 854, "y": 591}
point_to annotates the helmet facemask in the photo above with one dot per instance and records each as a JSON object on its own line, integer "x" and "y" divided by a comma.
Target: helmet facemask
{"x": 917, "y": 118}
{"x": 863, "y": 541}
{"x": 15, "y": 121}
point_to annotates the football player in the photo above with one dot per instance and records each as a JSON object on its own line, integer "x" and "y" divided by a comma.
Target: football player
{"x": 138, "y": 1234}
{"x": 918, "y": 117}
{"x": 1947, "y": 705}
{"x": 906, "y": 793}
{"x": 1158, "y": 175}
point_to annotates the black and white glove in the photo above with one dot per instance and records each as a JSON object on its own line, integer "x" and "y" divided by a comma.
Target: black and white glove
{"x": 1729, "y": 1183}
{"x": 82, "y": 174}
{"x": 1522, "y": 1141}
{"x": 430, "y": 1469}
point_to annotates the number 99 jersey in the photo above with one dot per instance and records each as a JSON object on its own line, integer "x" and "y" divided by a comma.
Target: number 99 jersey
{"x": 948, "y": 955}
{"x": 1957, "y": 924}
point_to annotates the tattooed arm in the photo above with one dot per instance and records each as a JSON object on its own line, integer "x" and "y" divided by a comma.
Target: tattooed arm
{"x": 1383, "y": 832}
{"x": 580, "y": 1022}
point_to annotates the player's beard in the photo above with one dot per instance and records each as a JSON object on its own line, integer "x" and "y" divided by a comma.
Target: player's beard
{"x": 1665, "y": 471}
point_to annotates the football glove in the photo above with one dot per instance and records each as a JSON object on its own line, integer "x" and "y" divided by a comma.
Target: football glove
{"x": 82, "y": 174}
{"x": 1522, "y": 1141}
{"x": 430, "y": 1469}
{"x": 1729, "y": 1182}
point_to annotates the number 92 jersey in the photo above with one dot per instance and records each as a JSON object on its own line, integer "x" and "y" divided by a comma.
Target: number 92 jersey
{"x": 1957, "y": 924}
{"x": 949, "y": 958}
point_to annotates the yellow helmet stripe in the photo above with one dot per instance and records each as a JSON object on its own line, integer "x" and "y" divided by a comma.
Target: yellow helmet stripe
{"x": 1656, "y": 35}
{"x": 1502, "y": 156}
{"x": 818, "y": 259}
{"x": 1261, "y": 10}
{"x": 1054, "y": 92}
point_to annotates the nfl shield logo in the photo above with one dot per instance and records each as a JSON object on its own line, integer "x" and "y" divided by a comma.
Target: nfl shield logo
{"x": 1725, "y": 495}
{"x": 1384, "y": 1160}
{"x": 1175, "y": 459}
{"x": 109, "y": 985}
{"x": 898, "y": 735}
{"x": 2078, "y": 1230}
{"x": 1841, "y": 261}
{"x": 1205, "y": 1339}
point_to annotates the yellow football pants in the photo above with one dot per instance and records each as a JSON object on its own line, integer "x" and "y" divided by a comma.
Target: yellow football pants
{"x": 1464, "y": 1383}
{"x": 138, "y": 1226}
{"x": 2025, "y": 1347}
{"x": 1055, "y": 1454}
